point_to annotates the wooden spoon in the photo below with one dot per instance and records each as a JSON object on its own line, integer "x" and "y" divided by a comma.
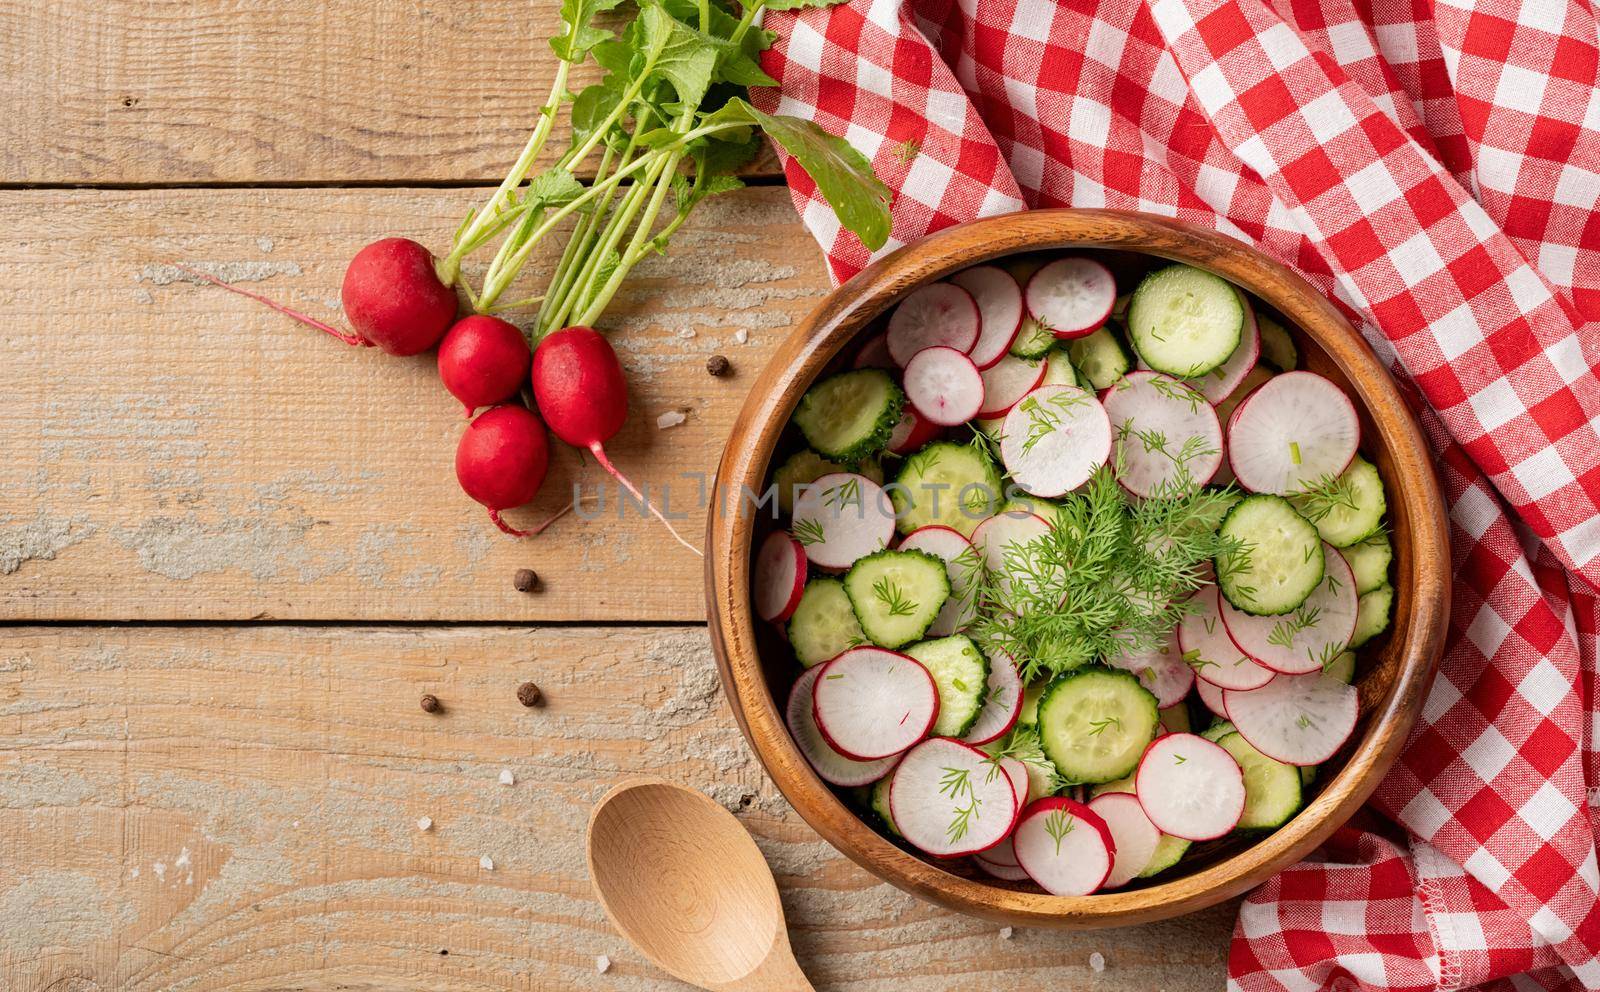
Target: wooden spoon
{"x": 682, "y": 880}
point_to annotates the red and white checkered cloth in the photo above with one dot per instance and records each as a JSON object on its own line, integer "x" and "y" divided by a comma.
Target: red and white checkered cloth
{"x": 1434, "y": 167}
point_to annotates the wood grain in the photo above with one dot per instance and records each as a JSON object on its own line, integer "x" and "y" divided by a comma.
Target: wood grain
{"x": 177, "y": 452}
{"x": 236, "y": 807}
{"x": 128, "y": 91}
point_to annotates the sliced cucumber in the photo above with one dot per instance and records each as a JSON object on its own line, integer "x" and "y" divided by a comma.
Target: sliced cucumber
{"x": 1175, "y": 718}
{"x": 1101, "y": 357}
{"x": 1277, "y": 347}
{"x": 1168, "y": 853}
{"x": 1058, "y": 370}
{"x": 1308, "y": 774}
{"x": 824, "y": 623}
{"x": 961, "y": 673}
{"x": 879, "y": 803}
{"x": 1033, "y": 340}
{"x": 1029, "y": 717}
{"x": 897, "y": 594}
{"x": 850, "y": 416}
{"x": 1218, "y": 730}
{"x": 1369, "y": 561}
{"x": 1094, "y": 723}
{"x": 1124, "y": 784}
{"x": 1272, "y": 792}
{"x": 1347, "y": 509}
{"x": 1372, "y": 614}
{"x": 956, "y": 485}
{"x": 1185, "y": 321}
{"x": 800, "y": 470}
{"x": 1343, "y": 667}
{"x": 1281, "y": 561}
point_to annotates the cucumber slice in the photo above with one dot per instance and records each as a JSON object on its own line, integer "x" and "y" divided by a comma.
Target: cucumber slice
{"x": 1343, "y": 667}
{"x": 1168, "y": 853}
{"x": 1101, "y": 357}
{"x": 1058, "y": 370}
{"x": 1185, "y": 321}
{"x": 850, "y": 416}
{"x": 1218, "y": 730}
{"x": 1347, "y": 509}
{"x": 1272, "y": 791}
{"x": 961, "y": 672}
{"x": 800, "y": 470}
{"x": 1372, "y": 614}
{"x": 1095, "y": 722}
{"x": 1124, "y": 784}
{"x": 1034, "y": 340}
{"x": 1369, "y": 560}
{"x": 1277, "y": 347}
{"x": 824, "y": 624}
{"x": 879, "y": 803}
{"x": 1029, "y": 717}
{"x": 1175, "y": 718}
{"x": 956, "y": 485}
{"x": 1281, "y": 561}
{"x": 1308, "y": 774}
{"x": 897, "y": 594}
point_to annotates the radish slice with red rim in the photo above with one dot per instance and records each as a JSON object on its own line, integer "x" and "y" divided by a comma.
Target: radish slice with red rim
{"x": 1001, "y": 708}
{"x": 1000, "y": 870}
{"x": 1310, "y": 636}
{"x": 831, "y": 766}
{"x": 999, "y": 301}
{"x": 780, "y": 577}
{"x": 1220, "y": 382}
{"x": 1204, "y": 645}
{"x": 1071, "y": 296}
{"x": 951, "y": 799}
{"x": 1134, "y": 836}
{"x": 1252, "y": 380}
{"x": 1161, "y": 671}
{"x": 1018, "y": 772}
{"x": 1005, "y": 538}
{"x": 1293, "y": 431}
{"x": 842, "y": 517}
{"x": 1054, "y": 439}
{"x": 961, "y": 566}
{"x": 1296, "y": 719}
{"x": 1166, "y": 435}
{"x": 936, "y": 314}
{"x": 912, "y": 432}
{"x": 875, "y": 354}
{"x": 1190, "y": 787}
{"x": 944, "y": 385}
{"x": 1007, "y": 381}
{"x": 872, "y": 703}
{"x": 1064, "y": 846}
{"x": 1211, "y": 696}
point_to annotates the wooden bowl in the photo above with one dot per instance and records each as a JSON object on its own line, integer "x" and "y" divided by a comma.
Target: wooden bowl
{"x": 757, "y": 669}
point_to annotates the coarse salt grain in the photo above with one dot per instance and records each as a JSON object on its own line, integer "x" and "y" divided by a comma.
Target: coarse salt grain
{"x": 424, "y": 823}
{"x": 671, "y": 418}
{"x": 506, "y": 778}
{"x": 602, "y": 964}
{"x": 1005, "y": 933}
{"x": 741, "y": 335}
{"x": 1097, "y": 962}
{"x": 486, "y": 863}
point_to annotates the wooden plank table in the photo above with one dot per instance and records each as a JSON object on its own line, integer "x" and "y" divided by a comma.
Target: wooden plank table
{"x": 233, "y": 555}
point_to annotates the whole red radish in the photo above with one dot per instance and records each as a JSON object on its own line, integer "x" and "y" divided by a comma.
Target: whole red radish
{"x": 483, "y": 361}
{"x": 580, "y": 389}
{"x": 501, "y": 460}
{"x": 394, "y": 298}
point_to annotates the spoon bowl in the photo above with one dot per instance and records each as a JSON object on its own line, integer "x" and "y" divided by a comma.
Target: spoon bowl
{"x": 681, "y": 878}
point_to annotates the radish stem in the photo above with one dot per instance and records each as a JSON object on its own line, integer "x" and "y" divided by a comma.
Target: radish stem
{"x": 354, "y": 340}
{"x": 534, "y": 531}
{"x": 605, "y": 463}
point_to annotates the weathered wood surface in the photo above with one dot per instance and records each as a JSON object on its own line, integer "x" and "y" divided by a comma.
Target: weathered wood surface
{"x": 129, "y": 91}
{"x": 173, "y": 451}
{"x": 236, "y": 807}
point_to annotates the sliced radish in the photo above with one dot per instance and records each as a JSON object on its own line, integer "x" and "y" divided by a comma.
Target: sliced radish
{"x": 1064, "y": 846}
{"x": 944, "y": 385}
{"x": 1161, "y": 671}
{"x": 1220, "y": 382}
{"x": 871, "y": 703}
{"x": 999, "y": 300}
{"x": 831, "y": 766}
{"x": 1134, "y": 836}
{"x": 841, "y": 517}
{"x": 936, "y": 314}
{"x": 1254, "y": 378}
{"x": 1054, "y": 440}
{"x": 1204, "y": 645}
{"x": 1296, "y": 719}
{"x": 1071, "y": 296}
{"x": 780, "y": 576}
{"x": 1211, "y": 696}
{"x": 1002, "y": 706}
{"x": 875, "y": 353}
{"x": 1293, "y": 431}
{"x": 1312, "y": 635}
{"x": 1003, "y": 853}
{"x": 1007, "y": 381}
{"x": 961, "y": 565}
{"x": 912, "y": 432}
{"x": 1190, "y": 787}
{"x": 1006, "y": 873}
{"x": 950, "y": 799}
{"x": 1165, "y": 433}
{"x": 1002, "y": 538}
{"x": 1018, "y": 773}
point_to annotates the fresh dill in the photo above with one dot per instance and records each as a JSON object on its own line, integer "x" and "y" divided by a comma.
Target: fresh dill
{"x": 1325, "y": 495}
{"x": 1285, "y": 631}
{"x": 846, "y": 493}
{"x": 893, "y": 598}
{"x": 956, "y": 783}
{"x": 809, "y": 531}
{"x": 1101, "y": 725}
{"x": 1058, "y": 824}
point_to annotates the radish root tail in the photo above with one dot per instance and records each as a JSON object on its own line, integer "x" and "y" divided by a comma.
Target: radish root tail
{"x": 534, "y": 531}
{"x": 605, "y": 463}
{"x": 507, "y": 528}
{"x": 355, "y": 340}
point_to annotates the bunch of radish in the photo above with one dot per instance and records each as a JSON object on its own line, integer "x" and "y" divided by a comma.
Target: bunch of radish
{"x": 1030, "y": 378}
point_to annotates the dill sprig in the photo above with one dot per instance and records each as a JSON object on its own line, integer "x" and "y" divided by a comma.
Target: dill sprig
{"x": 1322, "y": 496}
{"x": 893, "y": 598}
